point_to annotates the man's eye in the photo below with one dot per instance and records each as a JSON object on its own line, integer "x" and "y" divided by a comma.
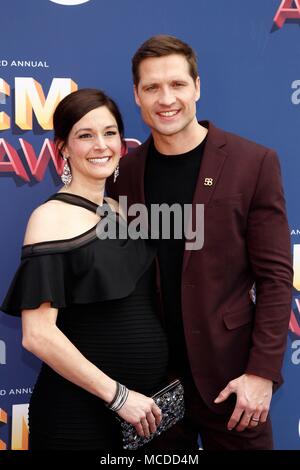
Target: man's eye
{"x": 151, "y": 88}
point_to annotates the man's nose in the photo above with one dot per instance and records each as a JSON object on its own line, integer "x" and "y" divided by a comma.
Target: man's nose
{"x": 166, "y": 97}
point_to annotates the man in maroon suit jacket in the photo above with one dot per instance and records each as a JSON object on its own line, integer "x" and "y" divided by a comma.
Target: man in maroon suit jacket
{"x": 227, "y": 339}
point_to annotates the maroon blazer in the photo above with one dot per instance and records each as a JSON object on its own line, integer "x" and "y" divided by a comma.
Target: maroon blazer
{"x": 246, "y": 240}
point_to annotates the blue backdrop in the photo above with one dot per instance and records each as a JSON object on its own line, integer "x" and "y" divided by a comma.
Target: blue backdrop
{"x": 249, "y": 70}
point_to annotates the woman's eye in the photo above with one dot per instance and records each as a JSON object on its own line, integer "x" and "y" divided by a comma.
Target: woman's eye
{"x": 85, "y": 136}
{"x": 109, "y": 133}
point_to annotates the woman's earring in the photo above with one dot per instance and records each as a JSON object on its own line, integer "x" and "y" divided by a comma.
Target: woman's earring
{"x": 116, "y": 173}
{"x": 66, "y": 176}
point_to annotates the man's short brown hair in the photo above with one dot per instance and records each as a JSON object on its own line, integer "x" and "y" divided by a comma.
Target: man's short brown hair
{"x": 163, "y": 45}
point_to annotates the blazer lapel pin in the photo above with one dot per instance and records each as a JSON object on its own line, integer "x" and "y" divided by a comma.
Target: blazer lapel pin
{"x": 208, "y": 181}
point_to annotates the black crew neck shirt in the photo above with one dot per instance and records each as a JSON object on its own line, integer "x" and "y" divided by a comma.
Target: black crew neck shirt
{"x": 172, "y": 179}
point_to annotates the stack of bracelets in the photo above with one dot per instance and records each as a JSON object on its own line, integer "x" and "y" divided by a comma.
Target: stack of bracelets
{"x": 119, "y": 398}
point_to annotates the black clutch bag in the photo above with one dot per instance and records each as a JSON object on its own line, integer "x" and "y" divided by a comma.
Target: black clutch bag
{"x": 171, "y": 402}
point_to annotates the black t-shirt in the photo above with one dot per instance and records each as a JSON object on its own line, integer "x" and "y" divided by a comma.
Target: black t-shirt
{"x": 172, "y": 179}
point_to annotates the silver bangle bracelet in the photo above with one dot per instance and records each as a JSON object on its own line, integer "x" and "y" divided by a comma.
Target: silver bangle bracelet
{"x": 120, "y": 398}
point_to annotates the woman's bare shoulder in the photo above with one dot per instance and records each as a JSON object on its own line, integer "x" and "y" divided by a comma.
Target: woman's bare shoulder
{"x": 44, "y": 223}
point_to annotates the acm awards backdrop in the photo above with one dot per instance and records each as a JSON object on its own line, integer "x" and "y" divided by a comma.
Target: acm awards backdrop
{"x": 250, "y": 84}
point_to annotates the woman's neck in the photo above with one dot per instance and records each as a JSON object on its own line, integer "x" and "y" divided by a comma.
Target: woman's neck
{"x": 93, "y": 191}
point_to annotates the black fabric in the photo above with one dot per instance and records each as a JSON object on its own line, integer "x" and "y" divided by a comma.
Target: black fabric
{"x": 106, "y": 296}
{"x": 124, "y": 338}
{"x": 79, "y": 270}
{"x": 172, "y": 179}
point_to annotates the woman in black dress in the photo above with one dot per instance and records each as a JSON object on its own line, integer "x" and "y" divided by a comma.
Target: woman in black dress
{"x": 88, "y": 303}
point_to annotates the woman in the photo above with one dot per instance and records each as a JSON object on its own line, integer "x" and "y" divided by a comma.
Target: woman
{"x": 88, "y": 304}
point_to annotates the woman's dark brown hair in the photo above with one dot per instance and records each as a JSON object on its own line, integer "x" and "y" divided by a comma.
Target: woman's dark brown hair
{"x": 76, "y": 105}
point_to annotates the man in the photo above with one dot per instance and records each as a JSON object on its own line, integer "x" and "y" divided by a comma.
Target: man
{"x": 226, "y": 346}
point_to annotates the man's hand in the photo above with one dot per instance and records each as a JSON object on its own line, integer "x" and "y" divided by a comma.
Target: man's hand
{"x": 253, "y": 398}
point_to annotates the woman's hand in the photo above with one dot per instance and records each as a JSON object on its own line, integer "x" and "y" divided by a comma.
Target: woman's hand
{"x": 142, "y": 412}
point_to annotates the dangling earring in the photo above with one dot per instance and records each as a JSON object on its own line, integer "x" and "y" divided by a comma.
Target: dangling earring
{"x": 116, "y": 173}
{"x": 66, "y": 176}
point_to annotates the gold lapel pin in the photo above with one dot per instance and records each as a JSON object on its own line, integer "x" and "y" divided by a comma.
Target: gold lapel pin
{"x": 208, "y": 181}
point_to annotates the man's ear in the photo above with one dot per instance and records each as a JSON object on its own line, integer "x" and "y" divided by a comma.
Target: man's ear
{"x": 198, "y": 88}
{"x": 136, "y": 96}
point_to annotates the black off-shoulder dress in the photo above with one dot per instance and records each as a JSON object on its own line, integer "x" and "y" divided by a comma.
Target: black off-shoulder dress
{"x": 104, "y": 290}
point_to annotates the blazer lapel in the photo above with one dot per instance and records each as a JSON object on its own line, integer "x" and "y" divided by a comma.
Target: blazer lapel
{"x": 138, "y": 181}
{"x": 140, "y": 165}
{"x": 211, "y": 166}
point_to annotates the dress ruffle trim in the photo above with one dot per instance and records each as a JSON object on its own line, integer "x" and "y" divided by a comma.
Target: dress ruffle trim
{"x": 87, "y": 275}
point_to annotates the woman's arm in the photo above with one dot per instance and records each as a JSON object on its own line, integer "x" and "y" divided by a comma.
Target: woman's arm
{"x": 45, "y": 340}
{"x": 42, "y": 338}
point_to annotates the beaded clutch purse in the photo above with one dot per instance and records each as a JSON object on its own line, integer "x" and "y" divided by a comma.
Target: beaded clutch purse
{"x": 171, "y": 402}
